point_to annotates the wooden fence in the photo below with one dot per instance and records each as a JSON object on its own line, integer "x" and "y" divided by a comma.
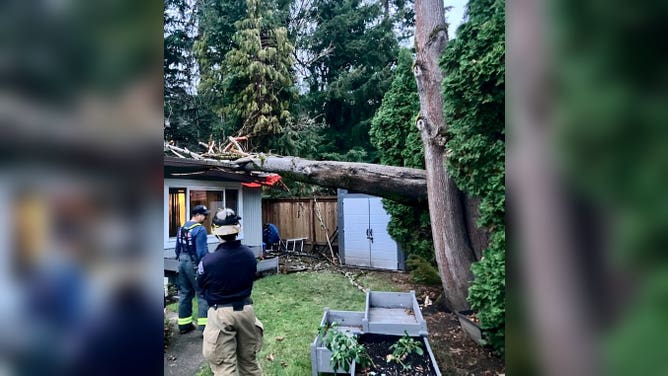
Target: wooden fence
{"x": 297, "y": 217}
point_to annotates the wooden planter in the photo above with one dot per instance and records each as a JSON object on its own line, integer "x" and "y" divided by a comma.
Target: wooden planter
{"x": 349, "y": 323}
{"x": 393, "y": 313}
{"x": 471, "y": 328}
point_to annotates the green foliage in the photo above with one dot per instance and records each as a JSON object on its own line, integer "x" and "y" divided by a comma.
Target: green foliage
{"x": 394, "y": 134}
{"x": 474, "y": 100}
{"x": 344, "y": 347}
{"x": 184, "y": 113}
{"x": 487, "y": 294}
{"x": 258, "y": 81}
{"x": 422, "y": 271}
{"x": 358, "y": 50}
{"x": 404, "y": 347}
{"x": 216, "y": 20}
{"x": 611, "y": 135}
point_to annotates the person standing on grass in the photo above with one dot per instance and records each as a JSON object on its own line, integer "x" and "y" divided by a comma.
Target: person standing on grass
{"x": 190, "y": 249}
{"x": 233, "y": 336}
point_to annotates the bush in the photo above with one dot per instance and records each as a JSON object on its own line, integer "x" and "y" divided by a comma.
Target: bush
{"x": 474, "y": 105}
{"x": 422, "y": 271}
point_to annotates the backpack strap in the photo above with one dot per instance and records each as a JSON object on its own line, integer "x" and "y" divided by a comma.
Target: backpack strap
{"x": 193, "y": 226}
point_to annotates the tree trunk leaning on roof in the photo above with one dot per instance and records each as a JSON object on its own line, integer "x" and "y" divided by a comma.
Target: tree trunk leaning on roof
{"x": 401, "y": 184}
{"x": 454, "y": 254}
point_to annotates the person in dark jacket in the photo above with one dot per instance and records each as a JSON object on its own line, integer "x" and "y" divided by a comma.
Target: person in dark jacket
{"x": 233, "y": 335}
{"x": 190, "y": 249}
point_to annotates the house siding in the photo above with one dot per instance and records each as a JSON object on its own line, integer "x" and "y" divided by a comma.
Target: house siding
{"x": 252, "y": 217}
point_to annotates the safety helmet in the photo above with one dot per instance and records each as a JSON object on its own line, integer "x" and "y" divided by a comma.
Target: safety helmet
{"x": 225, "y": 222}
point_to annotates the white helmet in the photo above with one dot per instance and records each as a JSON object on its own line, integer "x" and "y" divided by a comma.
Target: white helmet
{"x": 225, "y": 222}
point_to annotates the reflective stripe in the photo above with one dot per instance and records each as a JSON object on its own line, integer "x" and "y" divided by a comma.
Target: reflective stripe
{"x": 185, "y": 320}
{"x": 201, "y": 321}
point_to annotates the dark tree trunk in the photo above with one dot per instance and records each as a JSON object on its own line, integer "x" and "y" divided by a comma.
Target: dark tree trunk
{"x": 453, "y": 251}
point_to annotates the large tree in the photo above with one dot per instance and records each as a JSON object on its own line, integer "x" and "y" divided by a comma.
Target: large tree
{"x": 352, "y": 49}
{"x": 182, "y": 107}
{"x": 394, "y": 134}
{"x": 474, "y": 95}
{"x": 454, "y": 253}
{"x": 258, "y": 76}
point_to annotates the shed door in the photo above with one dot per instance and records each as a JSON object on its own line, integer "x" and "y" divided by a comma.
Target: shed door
{"x": 366, "y": 240}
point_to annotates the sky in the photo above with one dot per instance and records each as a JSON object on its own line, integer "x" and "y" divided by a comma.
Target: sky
{"x": 455, "y": 16}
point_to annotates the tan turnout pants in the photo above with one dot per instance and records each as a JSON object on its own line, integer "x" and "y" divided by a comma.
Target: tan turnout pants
{"x": 232, "y": 340}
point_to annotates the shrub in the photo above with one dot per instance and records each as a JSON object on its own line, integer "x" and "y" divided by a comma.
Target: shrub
{"x": 422, "y": 271}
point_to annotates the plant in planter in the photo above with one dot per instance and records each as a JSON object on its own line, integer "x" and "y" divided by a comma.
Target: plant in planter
{"x": 406, "y": 358}
{"x": 344, "y": 347}
{"x": 404, "y": 347}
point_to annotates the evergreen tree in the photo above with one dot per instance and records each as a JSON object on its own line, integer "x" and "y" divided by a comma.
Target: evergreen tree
{"x": 216, "y": 20}
{"x": 474, "y": 99}
{"x": 258, "y": 81}
{"x": 394, "y": 134}
{"x": 182, "y": 109}
{"x": 356, "y": 50}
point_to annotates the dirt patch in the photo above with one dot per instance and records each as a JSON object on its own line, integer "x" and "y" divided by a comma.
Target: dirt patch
{"x": 456, "y": 353}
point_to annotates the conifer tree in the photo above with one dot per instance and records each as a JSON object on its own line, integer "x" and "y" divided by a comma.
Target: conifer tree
{"x": 258, "y": 80}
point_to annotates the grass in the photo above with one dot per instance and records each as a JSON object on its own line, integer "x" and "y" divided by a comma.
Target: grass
{"x": 291, "y": 306}
{"x": 174, "y": 307}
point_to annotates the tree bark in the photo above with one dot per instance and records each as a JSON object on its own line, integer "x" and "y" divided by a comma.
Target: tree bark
{"x": 453, "y": 251}
{"x": 401, "y": 184}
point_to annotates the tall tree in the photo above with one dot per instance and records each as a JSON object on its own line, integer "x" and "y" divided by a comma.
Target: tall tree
{"x": 353, "y": 49}
{"x": 474, "y": 95}
{"x": 453, "y": 251}
{"x": 398, "y": 142}
{"x": 182, "y": 108}
{"x": 258, "y": 79}
{"x": 215, "y": 22}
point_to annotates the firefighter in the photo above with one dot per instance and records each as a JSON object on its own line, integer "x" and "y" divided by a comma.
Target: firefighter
{"x": 233, "y": 336}
{"x": 190, "y": 249}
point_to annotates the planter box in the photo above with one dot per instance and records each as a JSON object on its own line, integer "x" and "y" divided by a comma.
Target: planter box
{"x": 431, "y": 356}
{"x": 393, "y": 313}
{"x": 270, "y": 264}
{"x": 349, "y": 323}
{"x": 470, "y": 328}
{"x": 385, "y": 341}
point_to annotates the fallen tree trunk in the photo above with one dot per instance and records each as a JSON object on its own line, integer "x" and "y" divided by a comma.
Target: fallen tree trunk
{"x": 401, "y": 184}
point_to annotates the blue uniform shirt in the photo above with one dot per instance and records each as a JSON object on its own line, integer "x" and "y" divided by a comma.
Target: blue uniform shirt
{"x": 198, "y": 236}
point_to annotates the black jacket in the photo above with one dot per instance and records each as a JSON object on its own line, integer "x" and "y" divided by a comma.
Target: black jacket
{"x": 226, "y": 275}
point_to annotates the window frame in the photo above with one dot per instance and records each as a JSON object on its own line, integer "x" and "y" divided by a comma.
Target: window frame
{"x": 197, "y": 185}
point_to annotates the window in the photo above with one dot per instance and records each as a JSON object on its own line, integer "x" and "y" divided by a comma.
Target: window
{"x": 214, "y": 200}
{"x": 177, "y": 209}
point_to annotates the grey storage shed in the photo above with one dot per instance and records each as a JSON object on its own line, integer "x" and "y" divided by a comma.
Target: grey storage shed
{"x": 363, "y": 237}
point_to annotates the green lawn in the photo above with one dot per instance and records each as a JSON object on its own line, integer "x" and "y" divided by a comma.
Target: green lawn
{"x": 291, "y": 306}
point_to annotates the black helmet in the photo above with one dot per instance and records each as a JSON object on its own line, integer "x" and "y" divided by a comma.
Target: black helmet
{"x": 200, "y": 209}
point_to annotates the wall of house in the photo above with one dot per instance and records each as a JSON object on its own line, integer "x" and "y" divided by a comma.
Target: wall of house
{"x": 252, "y": 217}
{"x": 250, "y": 212}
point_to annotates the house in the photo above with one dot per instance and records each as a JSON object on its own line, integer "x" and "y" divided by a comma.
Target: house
{"x": 363, "y": 237}
{"x": 189, "y": 182}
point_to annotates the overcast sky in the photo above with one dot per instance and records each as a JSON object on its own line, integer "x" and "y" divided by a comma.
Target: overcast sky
{"x": 455, "y": 16}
